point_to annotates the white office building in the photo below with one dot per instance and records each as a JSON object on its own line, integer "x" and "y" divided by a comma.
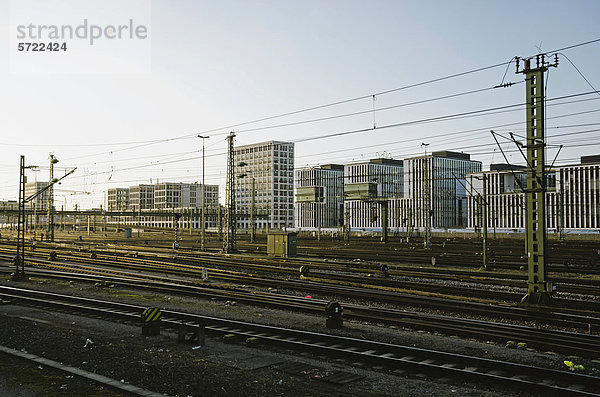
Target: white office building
{"x": 118, "y": 199}
{"x": 166, "y": 197}
{"x": 436, "y": 184}
{"x": 271, "y": 166}
{"x": 572, "y": 196}
{"x": 141, "y": 197}
{"x": 40, "y": 203}
{"x": 366, "y": 186}
{"x": 402, "y": 187}
{"x": 319, "y": 196}
{"x": 183, "y": 195}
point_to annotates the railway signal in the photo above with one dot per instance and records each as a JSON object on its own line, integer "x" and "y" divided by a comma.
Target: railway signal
{"x": 178, "y": 216}
{"x": 335, "y": 315}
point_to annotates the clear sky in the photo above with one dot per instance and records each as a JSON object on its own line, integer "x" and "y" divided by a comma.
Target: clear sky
{"x": 212, "y": 65}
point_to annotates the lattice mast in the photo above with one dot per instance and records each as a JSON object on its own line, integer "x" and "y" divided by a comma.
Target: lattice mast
{"x": 538, "y": 286}
{"x": 229, "y": 235}
{"x": 19, "y": 260}
{"x": 50, "y": 231}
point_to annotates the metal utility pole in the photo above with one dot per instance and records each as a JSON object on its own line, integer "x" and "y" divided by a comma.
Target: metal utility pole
{"x": 229, "y": 237}
{"x": 539, "y": 288}
{"x": 220, "y": 215}
{"x": 35, "y": 219}
{"x": 203, "y": 232}
{"x": 347, "y": 224}
{"x": 50, "y": 231}
{"x": 495, "y": 219}
{"x": 410, "y": 222}
{"x": 561, "y": 215}
{"x": 484, "y": 211}
{"x": 176, "y": 217}
{"x": 252, "y": 199}
{"x": 427, "y": 206}
{"x": 384, "y": 221}
{"x": 19, "y": 260}
{"x": 252, "y": 196}
{"x": 318, "y": 214}
{"x": 268, "y": 216}
{"x": 477, "y": 225}
{"x": 20, "y": 257}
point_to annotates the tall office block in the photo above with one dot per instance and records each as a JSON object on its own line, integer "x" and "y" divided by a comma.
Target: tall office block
{"x": 271, "y": 165}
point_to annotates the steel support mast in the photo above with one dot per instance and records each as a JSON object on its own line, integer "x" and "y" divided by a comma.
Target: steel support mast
{"x": 384, "y": 221}
{"x": 229, "y": 235}
{"x": 427, "y": 204}
{"x": 484, "y": 212}
{"x": 252, "y": 204}
{"x": 50, "y": 231}
{"x": 19, "y": 260}
{"x": 202, "y": 226}
{"x": 539, "y": 289}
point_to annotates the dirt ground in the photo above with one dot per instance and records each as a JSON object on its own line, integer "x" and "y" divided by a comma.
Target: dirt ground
{"x": 162, "y": 365}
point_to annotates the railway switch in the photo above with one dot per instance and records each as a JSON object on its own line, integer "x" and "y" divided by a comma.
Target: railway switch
{"x": 52, "y": 256}
{"x": 335, "y": 313}
{"x": 151, "y": 321}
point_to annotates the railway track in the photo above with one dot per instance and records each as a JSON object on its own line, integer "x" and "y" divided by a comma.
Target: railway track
{"x": 567, "y": 342}
{"x": 563, "y": 256}
{"x": 351, "y": 271}
{"x": 566, "y": 317}
{"x": 394, "y": 358}
{"x": 398, "y": 292}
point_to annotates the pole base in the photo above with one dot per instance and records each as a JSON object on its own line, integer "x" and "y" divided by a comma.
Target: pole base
{"x": 537, "y": 298}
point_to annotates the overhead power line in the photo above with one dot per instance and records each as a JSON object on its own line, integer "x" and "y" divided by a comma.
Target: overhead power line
{"x": 336, "y": 103}
{"x": 428, "y": 120}
{"x": 402, "y": 124}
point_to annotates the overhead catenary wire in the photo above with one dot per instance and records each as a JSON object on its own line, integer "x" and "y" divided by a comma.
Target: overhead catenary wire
{"x": 374, "y": 110}
{"x": 432, "y": 119}
{"x": 475, "y": 146}
{"x": 580, "y": 73}
{"x": 215, "y": 131}
{"x": 428, "y": 120}
{"x": 415, "y": 154}
{"x": 366, "y": 96}
{"x": 218, "y": 175}
{"x": 354, "y": 99}
{"x": 144, "y": 143}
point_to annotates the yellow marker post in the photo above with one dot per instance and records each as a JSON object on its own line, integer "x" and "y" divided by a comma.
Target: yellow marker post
{"x": 151, "y": 318}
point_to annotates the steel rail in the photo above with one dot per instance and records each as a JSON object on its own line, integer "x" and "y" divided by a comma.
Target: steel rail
{"x": 564, "y": 317}
{"x": 568, "y": 342}
{"x": 390, "y": 356}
